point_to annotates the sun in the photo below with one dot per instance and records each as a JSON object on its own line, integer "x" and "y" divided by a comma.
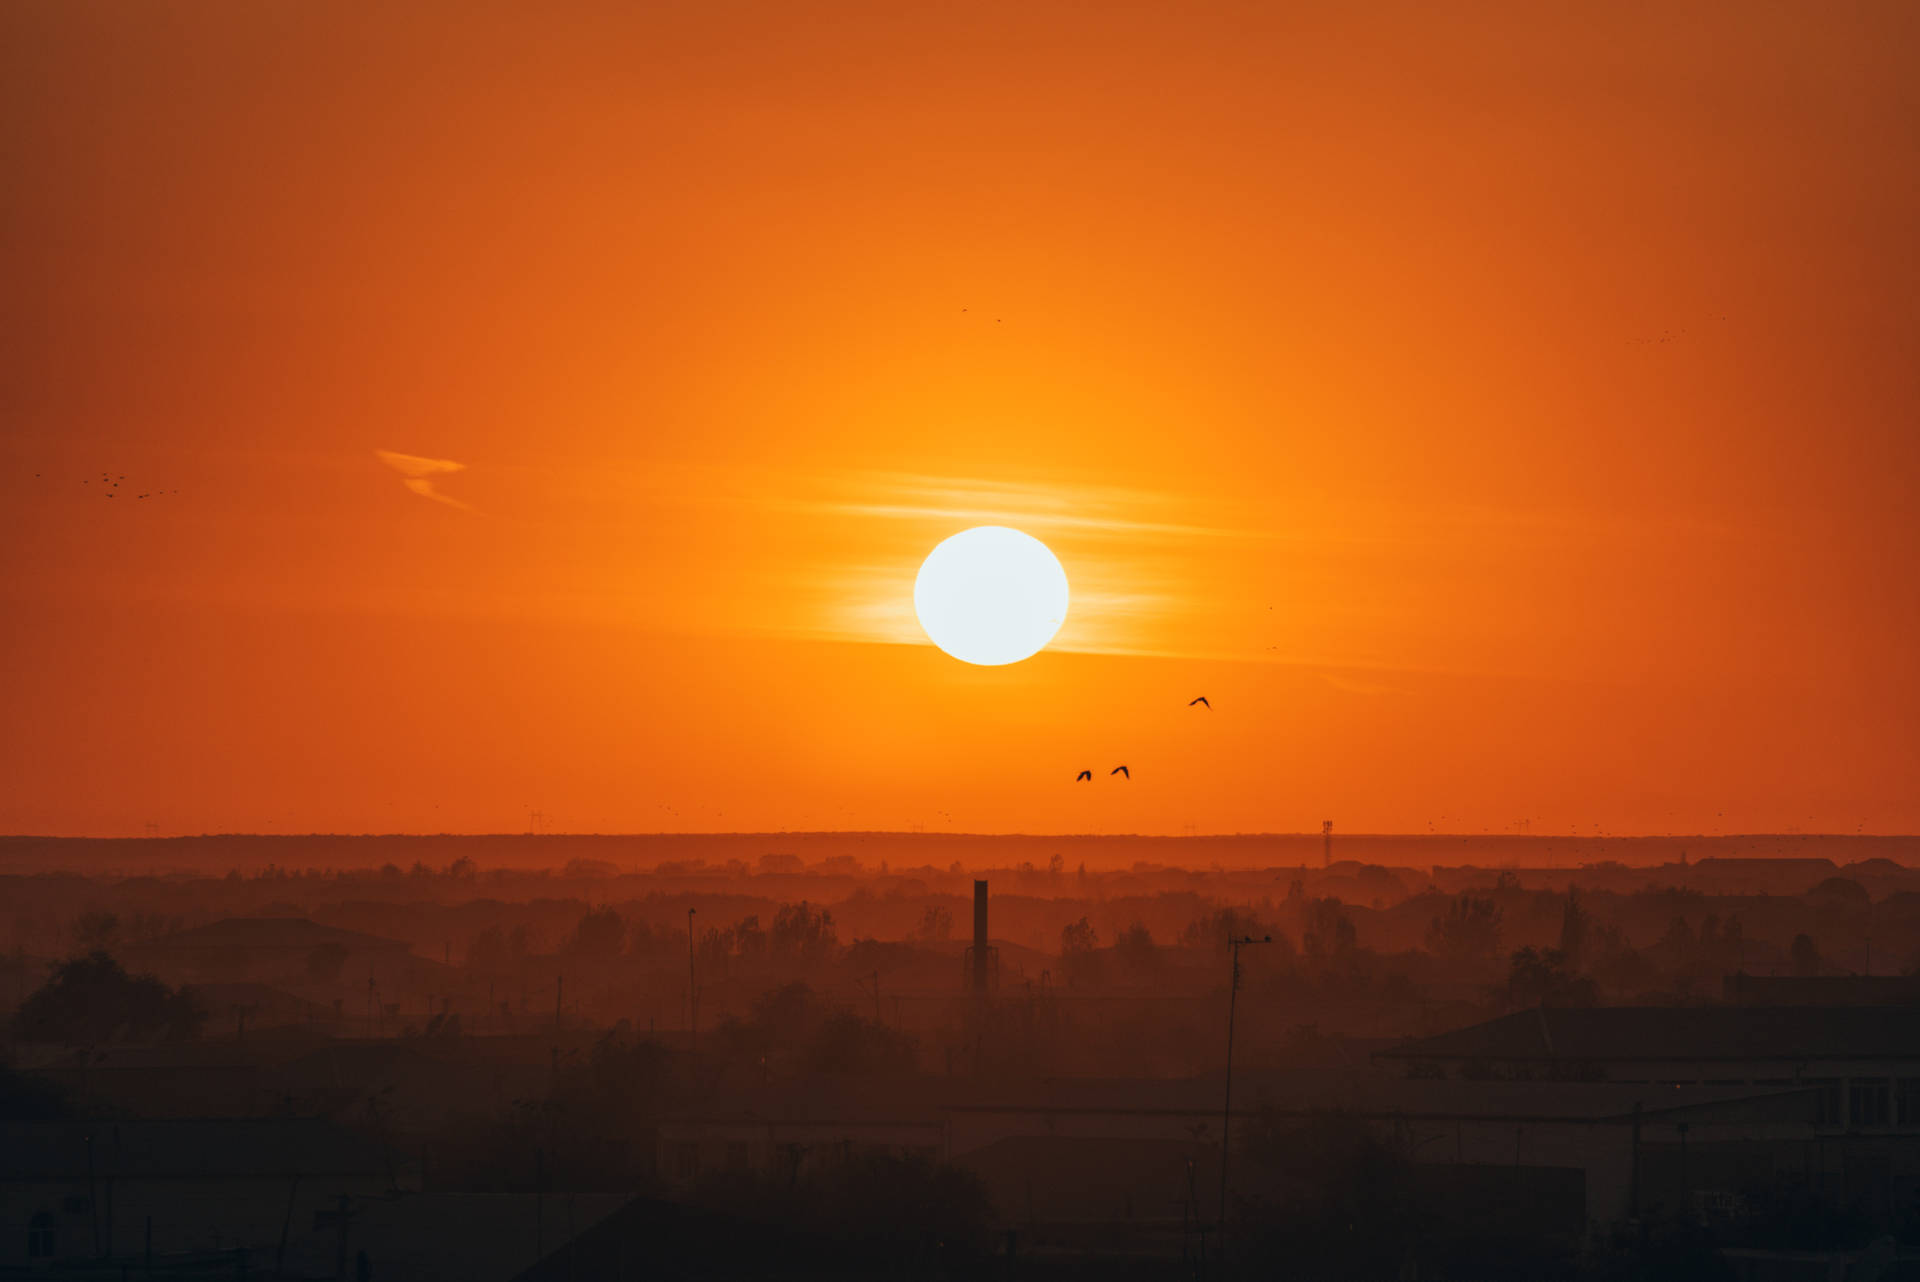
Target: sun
{"x": 991, "y": 595}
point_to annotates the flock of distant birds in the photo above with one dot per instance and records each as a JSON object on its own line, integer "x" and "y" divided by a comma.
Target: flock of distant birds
{"x": 110, "y": 486}
{"x": 1086, "y": 776}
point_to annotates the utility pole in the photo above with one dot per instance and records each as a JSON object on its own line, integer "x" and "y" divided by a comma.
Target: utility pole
{"x": 1633, "y": 1198}
{"x": 693, "y": 989}
{"x": 1686, "y": 1191}
{"x": 1226, "y": 1113}
{"x": 1326, "y": 843}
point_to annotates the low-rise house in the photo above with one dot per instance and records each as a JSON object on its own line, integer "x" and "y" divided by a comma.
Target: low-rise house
{"x": 1863, "y": 1060}
{"x": 1622, "y": 1141}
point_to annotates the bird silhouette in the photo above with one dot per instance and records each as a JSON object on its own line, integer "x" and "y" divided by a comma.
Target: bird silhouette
{"x": 1202, "y": 701}
{"x": 1084, "y": 774}
{"x": 1120, "y": 770}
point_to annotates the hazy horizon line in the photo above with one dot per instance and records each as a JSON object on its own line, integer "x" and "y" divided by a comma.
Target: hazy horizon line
{"x": 994, "y": 836}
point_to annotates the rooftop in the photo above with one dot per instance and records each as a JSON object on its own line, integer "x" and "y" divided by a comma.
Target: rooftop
{"x": 1675, "y": 1033}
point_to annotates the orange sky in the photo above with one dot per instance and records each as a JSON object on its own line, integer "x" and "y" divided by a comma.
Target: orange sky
{"x": 1502, "y": 420}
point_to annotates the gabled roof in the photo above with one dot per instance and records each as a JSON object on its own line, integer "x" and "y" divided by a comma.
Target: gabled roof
{"x": 1677, "y": 1033}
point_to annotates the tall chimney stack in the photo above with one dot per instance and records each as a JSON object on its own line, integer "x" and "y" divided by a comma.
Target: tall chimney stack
{"x": 979, "y": 939}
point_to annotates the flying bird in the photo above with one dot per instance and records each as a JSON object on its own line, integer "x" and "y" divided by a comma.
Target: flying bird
{"x": 1084, "y": 774}
{"x": 420, "y": 473}
{"x": 1120, "y": 770}
{"x": 1202, "y": 701}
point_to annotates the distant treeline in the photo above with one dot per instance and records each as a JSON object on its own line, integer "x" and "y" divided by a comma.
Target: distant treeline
{"x": 868, "y": 850}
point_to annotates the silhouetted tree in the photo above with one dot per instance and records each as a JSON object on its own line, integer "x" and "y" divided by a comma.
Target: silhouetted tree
{"x": 1541, "y": 977}
{"x": 1805, "y": 955}
{"x": 1078, "y": 958}
{"x": 1214, "y": 927}
{"x": 936, "y": 924}
{"x": 1329, "y": 936}
{"x": 1618, "y": 967}
{"x": 92, "y": 999}
{"x": 790, "y": 1030}
{"x": 715, "y": 949}
{"x": 96, "y": 931}
{"x": 1733, "y": 940}
{"x": 782, "y": 1018}
{"x": 1136, "y": 949}
{"x": 498, "y": 952}
{"x": 596, "y": 937}
{"x": 1575, "y": 922}
{"x": 848, "y": 1045}
{"x": 1469, "y": 928}
{"x": 802, "y": 933}
{"x": 749, "y": 940}
{"x": 1679, "y": 941}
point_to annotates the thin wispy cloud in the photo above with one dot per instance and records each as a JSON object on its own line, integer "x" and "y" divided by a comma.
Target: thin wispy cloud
{"x": 1353, "y": 591}
{"x": 1143, "y": 571}
{"x": 419, "y": 474}
{"x": 1067, "y": 508}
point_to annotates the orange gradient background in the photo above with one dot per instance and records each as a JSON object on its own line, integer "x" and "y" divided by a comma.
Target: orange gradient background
{"x": 1508, "y": 420}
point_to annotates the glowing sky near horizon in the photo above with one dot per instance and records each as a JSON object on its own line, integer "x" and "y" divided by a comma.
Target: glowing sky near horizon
{"x": 1503, "y": 414}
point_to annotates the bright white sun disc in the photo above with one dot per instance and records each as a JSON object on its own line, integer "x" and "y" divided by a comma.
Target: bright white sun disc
{"x": 991, "y": 595}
